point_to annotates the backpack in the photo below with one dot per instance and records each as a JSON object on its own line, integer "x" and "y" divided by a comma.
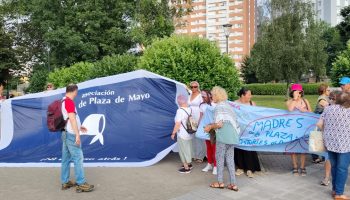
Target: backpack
{"x": 55, "y": 119}
{"x": 191, "y": 124}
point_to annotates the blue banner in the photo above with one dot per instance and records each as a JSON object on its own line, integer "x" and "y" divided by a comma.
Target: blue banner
{"x": 129, "y": 118}
{"x": 268, "y": 129}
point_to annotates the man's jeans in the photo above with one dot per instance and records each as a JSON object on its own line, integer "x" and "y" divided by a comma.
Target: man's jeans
{"x": 71, "y": 152}
{"x": 340, "y": 163}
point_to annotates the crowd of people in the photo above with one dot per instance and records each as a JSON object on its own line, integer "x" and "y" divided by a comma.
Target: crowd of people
{"x": 221, "y": 148}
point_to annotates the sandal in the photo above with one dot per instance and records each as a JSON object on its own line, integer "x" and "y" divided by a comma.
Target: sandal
{"x": 317, "y": 160}
{"x": 341, "y": 197}
{"x": 325, "y": 181}
{"x": 232, "y": 187}
{"x": 217, "y": 185}
{"x": 295, "y": 172}
{"x": 303, "y": 171}
{"x": 198, "y": 160}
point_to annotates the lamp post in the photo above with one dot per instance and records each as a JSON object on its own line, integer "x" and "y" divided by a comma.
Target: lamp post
{"x": 227, "y": 30}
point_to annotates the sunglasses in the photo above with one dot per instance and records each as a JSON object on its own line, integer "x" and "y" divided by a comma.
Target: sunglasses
{"x": 194, "y": 86}
{"x": 49, "y": 86}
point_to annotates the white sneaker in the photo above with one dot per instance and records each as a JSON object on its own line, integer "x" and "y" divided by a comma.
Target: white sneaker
{"x": 207, "y": 168}
{"x": 215, "y": 171}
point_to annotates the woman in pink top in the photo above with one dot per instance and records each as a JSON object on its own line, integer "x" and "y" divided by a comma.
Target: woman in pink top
{"x": 298, "y": 103}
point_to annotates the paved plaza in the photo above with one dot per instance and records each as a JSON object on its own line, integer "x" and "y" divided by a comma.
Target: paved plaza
{"x": 162, "y": 181}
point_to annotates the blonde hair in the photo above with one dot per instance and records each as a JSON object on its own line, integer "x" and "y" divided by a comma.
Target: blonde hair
{"x": 220, "y": 93}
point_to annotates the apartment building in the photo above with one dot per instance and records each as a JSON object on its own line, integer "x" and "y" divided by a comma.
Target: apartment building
{"x": 208, "y": 18}
{"x": 329, "y": 10}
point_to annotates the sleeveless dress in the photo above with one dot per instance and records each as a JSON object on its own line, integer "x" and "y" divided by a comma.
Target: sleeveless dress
{"x": 199, "y": 148}
{"x": 247, "y": 160}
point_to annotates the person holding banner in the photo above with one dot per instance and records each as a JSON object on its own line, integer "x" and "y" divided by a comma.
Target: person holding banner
{"x": 207, "y": 102}
{"x": 335, "y": 123}
{"x": 194, "y": 101}
{"x": 227, "y": 136}
{"x": 298, "y": 103}
{"x": 184, "y": 139}
{"x": 246, "y": 161}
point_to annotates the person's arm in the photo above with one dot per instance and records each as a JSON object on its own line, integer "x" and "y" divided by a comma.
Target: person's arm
{"x": 175, "y": 130}
{"x": 323, "y": 103}
{"x": 74, "y": 124}
{"x": 291, "y": 104}
{"x": 320, "y": 124}
{"x": 200, "y": 117}
{"x": 308, "y": 106}
{"x": 211, "y": 126}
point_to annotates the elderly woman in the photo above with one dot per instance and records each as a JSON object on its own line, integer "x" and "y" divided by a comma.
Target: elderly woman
{"x": 297, "y": 102}
{"x": 184, "y": 140}
{"x": 335, "y": 123}
{"x": 194, "y": 101}
{"x": 227, "y": 134}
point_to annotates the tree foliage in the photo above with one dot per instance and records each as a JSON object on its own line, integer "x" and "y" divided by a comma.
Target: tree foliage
{"x": 8, "y": 58}
{"x": 66, "y": 32}
{"x": 344, "y": 25}
{"x": 341, "y": 66}
{"x": 290, "y": 45}
{"x": 186, "y": 58}
{"x": 83, "y": 71}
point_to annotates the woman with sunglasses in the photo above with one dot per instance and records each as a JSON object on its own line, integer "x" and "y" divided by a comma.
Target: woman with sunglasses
{"x": 297, "y": 102}
{"x": 194, "y": 101}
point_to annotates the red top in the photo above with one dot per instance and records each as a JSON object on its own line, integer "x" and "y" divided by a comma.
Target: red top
{"x": 69, "y": 105}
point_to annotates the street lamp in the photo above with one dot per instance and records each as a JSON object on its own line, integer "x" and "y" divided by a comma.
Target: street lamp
{"x": 227, "y": 30}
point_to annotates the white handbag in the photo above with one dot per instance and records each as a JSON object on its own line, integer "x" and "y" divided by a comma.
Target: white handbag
{"x": 316, "y": 141}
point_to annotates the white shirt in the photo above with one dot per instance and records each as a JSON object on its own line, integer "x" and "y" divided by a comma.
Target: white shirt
{"x": 69, "y": 128}
{"x": 181, "y": 116}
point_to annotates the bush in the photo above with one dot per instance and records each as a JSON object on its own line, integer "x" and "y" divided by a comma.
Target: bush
{"x": 341, "y": 66}
{"x": 78, "y": 72}
{"x": 186, "y": 58}
{"x": 112, "y": 65}
{"x": 280, "y": 88}
{"x": 38, "y": 79}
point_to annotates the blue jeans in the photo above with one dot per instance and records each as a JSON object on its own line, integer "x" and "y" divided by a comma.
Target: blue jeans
{"x": 340, "y": 163}
{"x": 71, "y": 152}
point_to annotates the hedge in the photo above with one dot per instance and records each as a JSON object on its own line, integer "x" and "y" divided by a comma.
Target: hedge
{"x": 280, "y": 88}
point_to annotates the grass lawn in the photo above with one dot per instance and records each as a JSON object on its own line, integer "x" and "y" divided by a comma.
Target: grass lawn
{"x": 278, "y": 101}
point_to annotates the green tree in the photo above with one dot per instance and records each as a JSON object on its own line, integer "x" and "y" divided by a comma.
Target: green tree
{"x": 186, "y": 58}
{"x": 8, "y": 58}
{"x": 38, "y": 79}
{"x": 344, "y": 25}
{"x": 112, "y": 65}
{"x": 247, "y": 71}
{"x": 290, "y": 44}
{"x": 334, "y": 46}
{"x": 341, "y": 66}
{"x": 62, "y": 33}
